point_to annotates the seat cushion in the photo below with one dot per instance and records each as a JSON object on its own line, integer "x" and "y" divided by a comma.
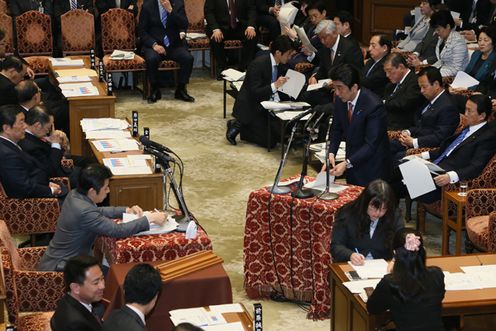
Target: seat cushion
{"x": 136, "y": 64}
{"x": 201, "y": 43}
{"x": 236, "y": 43}
{"x": 478, "y": 232}
{"x": 168, "y": 65}
{"x": 35, "y": 322}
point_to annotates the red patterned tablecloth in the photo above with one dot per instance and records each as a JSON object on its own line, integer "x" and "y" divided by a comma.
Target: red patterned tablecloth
{"x": 150, "y": 248}
{"x": 295, "y": 242}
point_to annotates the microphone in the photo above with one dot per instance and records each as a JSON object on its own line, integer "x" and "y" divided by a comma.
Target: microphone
{"x": 159, "y": 154}
{"x": 300, "y": 116}
{"x": 327, "y": 108}
{"x": 314, "y": 125}
{"x": 149, "y": 143}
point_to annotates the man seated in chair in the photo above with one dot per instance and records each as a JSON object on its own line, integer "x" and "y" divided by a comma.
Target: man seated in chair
{"x": 28, "y": 95}
{"x": 80, "y": 308}
{"x": 13, "y": 71}
{"x": 21, "y": 174}
{"x": 105, "y": 5}
{"x": 81, "y": 220}
{"x": 462, "y": 156}
{"x": 18, "y": 7}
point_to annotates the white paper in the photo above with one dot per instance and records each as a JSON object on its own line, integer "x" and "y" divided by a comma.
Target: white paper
{"x": 195, "y": 35}
{"x": 460, "y": 281}
{"x": 417, "y": 178}
{"x": 464, "y": 80}
{"x": 320, "y": 181}
{"x": 121, "y": 55}
{"x": 235, "y": 326}
{"x": 233, "y": 75}
{"x": 227, "y": 308}
{"x": 283, "y": 105}
{"x": 455, "y": 15}
{"x": 237, "y": 85}
{"x": 197, "y": 316}
{"x": 116, "y": 145}
{"x": 287, "y": 15}
{"x": 289, "y": 115}
{"x": 66, "y": 62}
{"x": 304, "y": 39}
{"x": 294, "y": 84}
{"x": 78, "y": 89}
{"x": 320, "y": 84}
{"x": 433, "y": 168}
{"x": 104, "y": 123}
{"x": 169, "y": 226}
{"x": 129, "y": 165}
{"x": 108, "y": 134}
{"x": 73, "y": 79}
{"x": 371, "y": 268}
{"x": 357, "y": 286}
{"x": 340, "y": 154}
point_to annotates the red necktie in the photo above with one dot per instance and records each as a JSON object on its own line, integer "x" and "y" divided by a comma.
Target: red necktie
{"x": 350, "y": 111}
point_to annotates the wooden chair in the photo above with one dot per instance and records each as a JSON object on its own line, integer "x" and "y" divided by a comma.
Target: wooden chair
{"x": 35, "y": 39}
{"x": 196, "y": 19}
{"x": 480, "y": 220}
{"x": 7, "y": 44}
{"x": 78, "y": 32}
{"x": 28, "y": 290}
{"x": 4, "y": 8}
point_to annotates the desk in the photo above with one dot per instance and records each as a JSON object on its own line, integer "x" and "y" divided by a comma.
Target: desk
{"x": 210, "y": 286}
{"x": 158, "y": 247}
{"x": 349, "y": 312}
{"x": 85, "y": 107}
{"x": 456, "y": 223}
{"x": 232, "y": 92}
{"x": 295, "y": 242}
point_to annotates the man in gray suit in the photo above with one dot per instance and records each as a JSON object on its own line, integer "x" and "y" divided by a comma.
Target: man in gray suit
{"x": 80, "y": 220}
{"x": 141, "y": 288}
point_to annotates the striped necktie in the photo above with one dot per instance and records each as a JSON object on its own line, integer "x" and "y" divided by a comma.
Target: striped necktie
{"x": 163, "y": 19}
{"x": 73, "y": 4}
{"x": 350, "y": 111}
{"x": 452, "y": 146}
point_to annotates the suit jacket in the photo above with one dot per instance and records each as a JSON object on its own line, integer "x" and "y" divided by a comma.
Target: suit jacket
{"x": 367, "y": 144}
{"x": 454, "y": 56}
{"x": 470, "y": 157}
{"x": 105, "y": 5}
{"x": 151, "y": 30}
{"x": 124, "y": 319}
{"x": 264, "y": 5}
{"x": 20, "y": 174}
{"x": 18, "y": 7}
{"x": 345, "y": 53}
{"x": 72, "y": 315}
{"x": 80, "y": 221}
{"x": 482, "y": 14}
{"x": 415, "y": 36}
{"x": 61, "y": 7}
{"x": 376, "y": 79}
{"x": 403, "y": 103}
{"x": 426, "y": 49}
{"x": 217, "y": 14}
{"x": 8, "y": 95}
{"x": 437, "y": 123}
{"x": 49, "y": 158}
{"x": 485, "y": 70}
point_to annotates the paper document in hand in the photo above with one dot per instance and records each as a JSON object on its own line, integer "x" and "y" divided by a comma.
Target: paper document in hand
{"x": 66, "y": 62}
{"x": 320, "y": 183}
{"x": 433, "y": 168}
{"x": 371, "y": 268}
{"x": 287, "y": 15}
{"x": 237, "y": 85}
{"x": 417, "y": 178}
{"x": 358, "y": 286}
{"x": 78, "y": 89}
{"x": 283, "y": 105}
{"x": 294, "y": 84}
{"x": 233, "y": 75}
{"x": 455, "y": 15}
{"x": 464, "y": 80}
{"x": 115, "y": 145}
{"x": 320, "y": 84}
{"x": 169, "y": 226}
{"x": 104, "y": 123}
{"x": 302, "y": 35}
{"x": 76, "y": 72}
{"x": 340, "y": 154}
{"x": 73, "y": 79}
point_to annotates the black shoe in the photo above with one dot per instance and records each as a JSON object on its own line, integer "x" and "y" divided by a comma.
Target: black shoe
{"x": 232, "y": 132}
{"x": 158, "y": 94}
{"x": 155, "y": 95}
{"x": 181, "y": 94}
{"x": 152, "y": 98}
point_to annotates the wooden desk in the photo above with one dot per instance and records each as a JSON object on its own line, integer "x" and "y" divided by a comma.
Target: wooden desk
{"x": 456, "y": 223}
{"x": 85, "y": 107}
{"x": 349, "y": 312}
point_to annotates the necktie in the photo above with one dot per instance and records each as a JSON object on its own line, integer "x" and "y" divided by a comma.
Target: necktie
{"x": 396, "y": 88}
{"x": 452, "y": 146}
{"x": 73, "y": 4}
{"x": 473, "y": 18}
{"x": 350, "y": 111}
{"x": 370, "y": 69}
{"x": 232, "y": 14}
{"x": 332, "y": 55}
{"x": 274, "y": 73}
{"x": 429, "y": 106}
{"x": 163, "y": 18}
{"x": 117, "y": 3}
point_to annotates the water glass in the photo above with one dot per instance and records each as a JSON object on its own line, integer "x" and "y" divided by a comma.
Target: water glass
{"x": 463, "y": 188}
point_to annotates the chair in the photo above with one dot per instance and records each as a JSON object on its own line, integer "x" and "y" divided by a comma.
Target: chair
{"x": 78, "y": 32}
{"x": 28, "y": 290}
{"x": 8, "y": 41}
{"x": 119, "y": 32}
{"x": 34, "y": 39}
{"x": 4, "y": 8}
{"x": 196, "y": 19}
{"x": 480, "y": 220}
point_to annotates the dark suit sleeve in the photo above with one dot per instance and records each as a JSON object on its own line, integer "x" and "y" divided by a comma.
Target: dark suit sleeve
{"x": 263, "y": 6}
{"x": 144, "y": 26}
{"x": 355, "y": 57}
{"x": 178, "y": 15}
{"x": 340, "y": 250}
{"x": 408, "y": 95}
{"x": 446, "y": 124}
{"x": 14, "y": 8}
{"x": 258, "y": 87}
{"x": 381, "y": 299}
{"x": 251, "y": 14}
{"x": 336, "y": 128}
{"x": 94, "y": 221}
{"x": 209, "y": 12}
{"x": 48, "y": 7}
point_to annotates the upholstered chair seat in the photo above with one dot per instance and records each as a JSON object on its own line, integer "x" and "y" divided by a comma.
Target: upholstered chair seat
{"x": 136, "y": 64}
{"x": 304, "y": 67}
{"x": 480, "y": 215}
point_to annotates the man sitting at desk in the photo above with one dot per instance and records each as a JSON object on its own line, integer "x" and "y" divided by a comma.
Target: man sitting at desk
{"x": 80, "y": 220}
{"x": 13, "y": 71}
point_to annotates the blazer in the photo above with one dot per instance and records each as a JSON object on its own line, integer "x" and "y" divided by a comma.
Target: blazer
{"x": 426, "y": 49}
{"x": 482, "y": 14}
{"x": 61, "y": 7}
{"x": 20, "y": 174}
{"x": 264, "y": 5}
{"x": 124, "y": 319}
{"x": 416, "y": 34}
{"x": 79, "y": 222}
{"x": 485, "y": 70}
{"x": 49, "y": 158}
{"x": 367, "y": 144}
{"x": 454, "y": 56}
{"x": 72, "y": 315}
{"x": 437, "y": 123}
{"x": 105, "y": 5}
{"x": 217, "y": 14}
{"x": 470, "y": 157}
{"x": 18, "y": 7}
{"x": 346, "y": 53}
{"x": 406, "y": 314}
{"x": 151, "y": 30}
{"x": 8, "y": 94}
{"x": 376, "y": 79}
{"x": 402, "y": 104}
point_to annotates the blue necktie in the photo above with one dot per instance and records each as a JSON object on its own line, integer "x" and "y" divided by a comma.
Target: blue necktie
{"x": 370, "y": 69}
{"x": 429, "y": 106}
{"x": 163, "y": 18}
{"x": 452, "y": 146}
{"x": 274, "y": 73}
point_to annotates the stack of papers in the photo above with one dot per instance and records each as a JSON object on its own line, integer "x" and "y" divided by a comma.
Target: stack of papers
{"x": 304, "y": 39}
{"x": 73, "y": 79}
{"x": 320, "y": 84}
{"x": 209, "y": 320}
{"x": 116, "y": 145}
{"x": 357, "y": 286}
{"x": 320, "y": 153}
{"x": 320, "y": 183}
{"x": 464, "y": 81}
{"x": 233, "y": 75}
{"x": 66, "y": 62}
{"x": 294, "y": 84}
{"x": 129, "y": 165}
{"x": 195, "y": 36}
{"x": 283, "y": 105}
{"x": 108, "y": 134}
{"x": 121, "y": 55}
{"x": 78, "y": 89}
{"x": 106, "y": 123}
{"x": 76, "y": 72}
{"x": 169, "y": 225}
{"x": 371, "y": 269}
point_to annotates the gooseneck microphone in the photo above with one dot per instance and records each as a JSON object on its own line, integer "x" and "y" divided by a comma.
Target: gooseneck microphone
{"x": 149, "y": 143}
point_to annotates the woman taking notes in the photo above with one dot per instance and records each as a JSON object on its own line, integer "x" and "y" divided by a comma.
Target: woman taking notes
{"x": 364, "y": 228}
{"x": 413, "y": 292}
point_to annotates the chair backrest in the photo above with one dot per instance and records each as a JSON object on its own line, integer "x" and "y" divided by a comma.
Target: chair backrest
{"x": 487, "y": 179}
{"x": 195, "y": 15}
{"x": 118, "y": 30}
{"x": 7, "y": 44}
{"x": 3, "y": 7}
{"x": 78, "y": 32}
{"x": 34, "y": 33}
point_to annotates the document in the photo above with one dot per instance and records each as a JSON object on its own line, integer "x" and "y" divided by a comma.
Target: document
{"x": 237, "y": 85}
{"x": 78, "y": 89}
{"x": 66, "y": 62}
{"x": 116, "y": 145}
{"x": 464, "y": 81}
{"x": 417, "y": 178}
{"x": 287, "y": 15}
{"x": 320, "y": 84}
{"x": 376, "y": 268}
{"x": 320, "y": 183}
{"x": 233, "y": 75}
{"x": 195, "y": 35}
{"x": 433, "y": 168}
{"x": 108, "y": 134}
{"x": 457, "y": 281}
{"x": 76, "y": 72}
{"x": 121, "y": 55}
{"x": 302, "y": 35}
{"x": 455, "y": 15}
{"x": 357, "y": 286}
{"x": 321, "y": 153}
{"x": 294, "y": 84}
{"x": 197, "y": 316}
{"x": 227, "y": 308}
{"x": 289, "y": 115}
{"x": 73, "y": 79}
{"x": 235, "y": 326}
{"x": 130, "y": 165}
{"x": 104, "y": 123}
{"x": 283, "y": 105}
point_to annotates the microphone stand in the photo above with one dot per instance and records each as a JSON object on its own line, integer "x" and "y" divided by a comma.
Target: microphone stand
{"x": 326, "y": 195}
{"x": 276, "y": 189}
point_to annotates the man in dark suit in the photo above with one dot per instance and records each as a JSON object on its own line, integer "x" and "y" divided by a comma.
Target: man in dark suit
{"x": 473, "y": 14}
{"x": 344, "y": 21}
{"x": 267, "y": 12}
{"x": 402, "y": 97}
{"x": 18, "y": 7}
{"x": 263, "y": 78}
{"x": 141, "y": 289}
{"x": 20, "y": 174}
{"x": 104, "y": 5}
{"x": 434, "y": 121}
{"x": 79, "y": 308}
{"x": 28, "y": 95}
{"x": 374, "y": 77}
{"x": 226, "y": 23}
{"x": 360, "y": 121}
{"x": 13, "y": 71}
{"x": 159, "y": 26}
